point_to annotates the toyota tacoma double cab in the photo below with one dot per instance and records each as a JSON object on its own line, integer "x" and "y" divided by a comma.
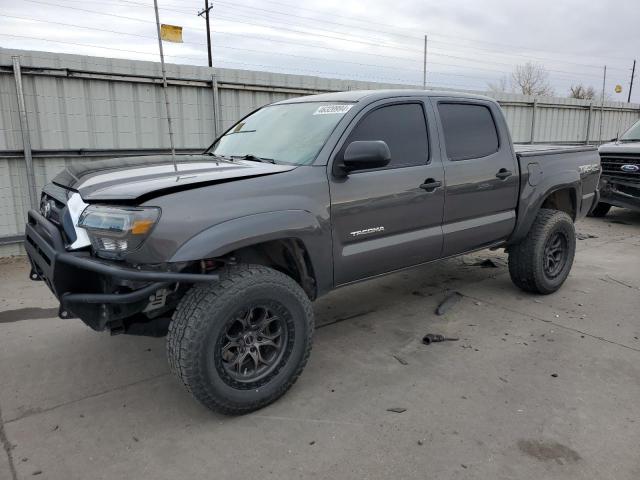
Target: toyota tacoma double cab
{"x": 224, "y": 251}
{"x": 620, "y": 179}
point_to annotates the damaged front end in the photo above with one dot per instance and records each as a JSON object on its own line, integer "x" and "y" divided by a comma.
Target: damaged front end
{"x": 105, "y": 294}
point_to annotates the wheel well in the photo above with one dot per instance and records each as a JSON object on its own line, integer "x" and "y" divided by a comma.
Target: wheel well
{"x": 563, "y": 200}
{"x": 288, "y": 256}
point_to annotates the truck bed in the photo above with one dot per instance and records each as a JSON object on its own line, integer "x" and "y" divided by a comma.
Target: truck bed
{"x": 529, "y": 150}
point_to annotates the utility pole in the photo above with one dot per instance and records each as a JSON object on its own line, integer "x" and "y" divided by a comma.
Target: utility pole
{"x": 424, "y": 65}
{"x": 633, "y": 73}
{"x": 206, "y": 10}
{"x": 164, "y": 86}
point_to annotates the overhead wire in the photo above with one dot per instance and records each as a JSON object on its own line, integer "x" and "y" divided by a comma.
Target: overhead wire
{"x": 330, "y": 35}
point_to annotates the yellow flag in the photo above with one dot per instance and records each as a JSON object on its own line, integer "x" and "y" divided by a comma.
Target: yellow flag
{"x": 171, "y": 33}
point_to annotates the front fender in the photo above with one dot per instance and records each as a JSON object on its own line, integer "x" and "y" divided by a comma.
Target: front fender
{"x": 533, "y": 196}
{"x": 231, "y": 235}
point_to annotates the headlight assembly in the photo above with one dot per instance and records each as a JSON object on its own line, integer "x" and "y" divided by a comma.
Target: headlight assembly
{"x": 116, "y": 231}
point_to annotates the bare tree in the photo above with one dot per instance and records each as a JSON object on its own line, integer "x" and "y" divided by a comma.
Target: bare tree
{"x": 582, "y": 92}
{"x": 531, "y": 79}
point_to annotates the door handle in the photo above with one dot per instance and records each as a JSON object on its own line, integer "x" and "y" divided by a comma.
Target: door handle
{"x": 430, "y": 184}
{"x": 504, "y": 173}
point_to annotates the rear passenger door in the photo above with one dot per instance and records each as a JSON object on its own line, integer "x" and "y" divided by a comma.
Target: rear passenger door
{"x": 481, "y": 174}
{"x": 388, "y": 218}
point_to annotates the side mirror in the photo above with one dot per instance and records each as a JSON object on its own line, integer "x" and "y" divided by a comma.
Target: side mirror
{"x": 365, "y": 154}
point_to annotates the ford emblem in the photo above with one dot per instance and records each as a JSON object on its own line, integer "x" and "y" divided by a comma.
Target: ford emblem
{"x": 630, "y": 168}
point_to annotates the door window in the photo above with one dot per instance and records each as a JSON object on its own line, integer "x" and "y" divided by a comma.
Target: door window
{"x": 402, "y": 127}
{"x": 469, "y": 130}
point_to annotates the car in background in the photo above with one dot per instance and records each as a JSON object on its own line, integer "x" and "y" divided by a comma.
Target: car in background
{"x": 620, "y": 179}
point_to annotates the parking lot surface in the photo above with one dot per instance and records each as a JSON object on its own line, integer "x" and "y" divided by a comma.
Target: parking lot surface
{"x": 537, "y": 386}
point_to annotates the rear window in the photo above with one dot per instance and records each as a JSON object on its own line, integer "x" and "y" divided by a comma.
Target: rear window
{"x": 469, "y": 130}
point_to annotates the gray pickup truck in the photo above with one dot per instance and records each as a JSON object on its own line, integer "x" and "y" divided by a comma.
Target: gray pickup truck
{"x": 620, "y": 179}
{"x": 223, "y": 252}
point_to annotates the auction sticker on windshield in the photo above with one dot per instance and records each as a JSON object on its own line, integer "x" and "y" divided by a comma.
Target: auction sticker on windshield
{"x": 332, "y": 109}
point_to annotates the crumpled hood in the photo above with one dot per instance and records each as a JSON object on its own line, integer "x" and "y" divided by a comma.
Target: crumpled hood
{"x": 132, "y": 178}
{"x": 620, "y": 147}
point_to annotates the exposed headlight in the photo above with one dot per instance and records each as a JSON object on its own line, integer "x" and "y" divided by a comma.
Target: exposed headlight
{"x": 116, "y": 231}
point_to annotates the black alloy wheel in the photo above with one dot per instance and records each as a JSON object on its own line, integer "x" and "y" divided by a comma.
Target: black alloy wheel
{"x": 555, "y": 254}
{"x": 254, "y": 343}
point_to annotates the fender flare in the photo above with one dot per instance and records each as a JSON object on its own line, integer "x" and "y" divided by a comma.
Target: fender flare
{"x": 532, "y": 198}
{"x": 225, "y": 237}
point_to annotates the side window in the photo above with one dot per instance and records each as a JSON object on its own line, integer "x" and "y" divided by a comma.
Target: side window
{"x": 402, "y": 127}
{"x": 469, "y": 130}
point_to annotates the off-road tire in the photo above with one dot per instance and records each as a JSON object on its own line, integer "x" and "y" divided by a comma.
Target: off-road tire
{"x": 527, "y": 259}
{"x": 199, "y": 324}
{"x": 600, "y": 210}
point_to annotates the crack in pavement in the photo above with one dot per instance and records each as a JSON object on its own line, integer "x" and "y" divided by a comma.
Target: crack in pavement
{"x": 76, "y": 400}
{"x": 555, "y": 324}
{"x": 7, "y": 448}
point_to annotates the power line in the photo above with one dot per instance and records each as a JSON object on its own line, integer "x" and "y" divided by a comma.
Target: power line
{"x": 246, "y": 49}
{"x": 229, "y": 47}
{"x": 352, "y": 40}
{"x": 413, "y": 37}
{"x": 302, "y": 32}
{"x": 90, "y": 28}
{"x": 369, "y": 22}
{"x": 431, "y": 32}
{"x": 468, "y": 59}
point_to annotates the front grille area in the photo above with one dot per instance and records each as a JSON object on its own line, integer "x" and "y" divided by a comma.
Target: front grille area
{"x": 52, "y": 209}
{"x": 612, "y": 166}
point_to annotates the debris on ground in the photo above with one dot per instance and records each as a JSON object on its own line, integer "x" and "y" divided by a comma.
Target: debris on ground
{"x": 396, "y": 409}
{"x": 401, "y": 360}
{"x": 610, "y": 279}
{"x": 584, "y": 236}
{"x": 488, "y": 263}
{"x": 448, "y": 302}
{"x": 430, "y": 338}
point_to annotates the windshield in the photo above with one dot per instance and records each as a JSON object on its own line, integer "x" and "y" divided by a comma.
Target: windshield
{"x": 288, "y": 133}
{"x": 633, "y": 133}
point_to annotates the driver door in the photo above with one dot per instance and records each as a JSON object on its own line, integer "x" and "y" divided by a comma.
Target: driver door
{"x": 388, "y": 218}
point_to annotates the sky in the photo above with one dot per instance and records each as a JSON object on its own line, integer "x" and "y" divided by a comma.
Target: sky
{"x": 470, "y": 43}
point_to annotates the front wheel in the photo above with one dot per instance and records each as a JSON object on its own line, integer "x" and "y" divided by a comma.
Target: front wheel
{"x": 239, "y": 344}
{"x": 543, "y": 260}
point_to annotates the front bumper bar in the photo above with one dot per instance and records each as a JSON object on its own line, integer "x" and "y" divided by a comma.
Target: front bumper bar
{"x": 90, "y": 288}
{"x": 620, "y": 193}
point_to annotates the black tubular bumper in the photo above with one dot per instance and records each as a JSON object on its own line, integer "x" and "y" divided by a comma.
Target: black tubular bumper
{"x": 88, "y": 287}
{"x": 620, "y": 193}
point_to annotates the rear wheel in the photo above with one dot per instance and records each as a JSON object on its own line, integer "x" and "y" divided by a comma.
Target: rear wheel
{"x": 240, "y": 344}
{"x": 600, "y": 210}
{"x": 543, "y": 260}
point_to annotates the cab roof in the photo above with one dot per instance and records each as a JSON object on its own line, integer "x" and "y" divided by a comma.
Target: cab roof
{"x": 374, "y": 95}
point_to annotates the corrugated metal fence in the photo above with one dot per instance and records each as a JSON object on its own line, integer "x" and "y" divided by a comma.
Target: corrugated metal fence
{"x": 79, "y": 107}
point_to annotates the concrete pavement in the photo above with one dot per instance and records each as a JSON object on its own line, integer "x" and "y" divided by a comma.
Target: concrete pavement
{"x": 537, "y": 387}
